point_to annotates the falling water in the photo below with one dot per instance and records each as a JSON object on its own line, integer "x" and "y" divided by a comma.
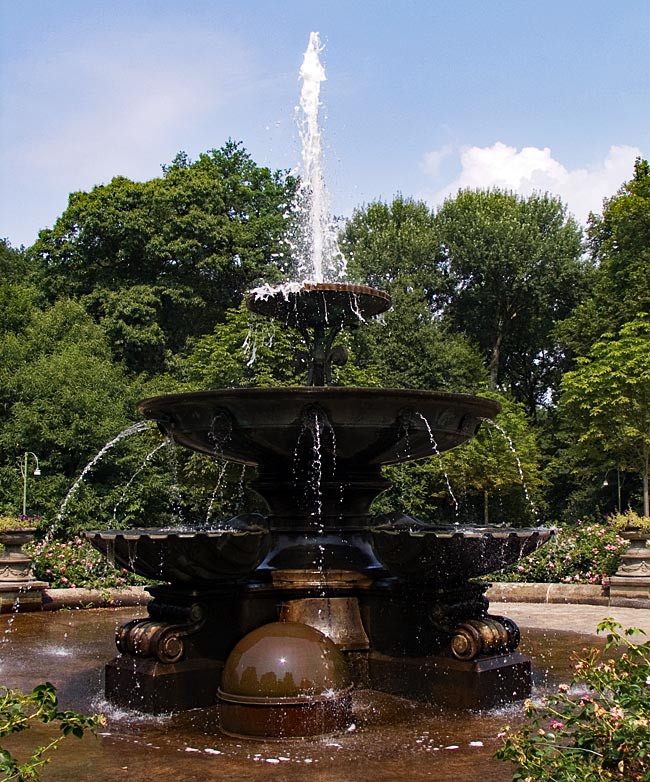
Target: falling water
{"x": 520, "y": 470}
{"x": 140, "y": 426}
{"x": 145, "y": 462}
{"x": 436, "y": 450}
{"x": 316, "y": 247}
{"x": 222, "y": 471}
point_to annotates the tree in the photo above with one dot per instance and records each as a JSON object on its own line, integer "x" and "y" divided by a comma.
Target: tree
{"x": 619, "y": 244}
{"x": 410, "y": 348}
{"x": 514, "y": 267}
{"x": 61, "y": 397}
{"x": 608, "y": 398}
{"x": 159, "y": 262}
{"x": 393, "y": 246}
{"x": 250, "y": 350}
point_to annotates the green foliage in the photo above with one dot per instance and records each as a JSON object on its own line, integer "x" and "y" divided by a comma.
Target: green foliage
{"x": 20, "y": 711}
{"x": 12, "y": 521}
{"x": 61, "y": 397}
{"x": 597, "y": 728}
{"x": 160, "y": 262}
{"x": 493, "y": 478}
{"x": 393, "y": 246}
{"x": 586, "y": 552}
{"x": 619, "y": 244}
{"x": 514, "y": 267}
{"x": 409, "y": 348}
{"x": 76, "y": 564}
{"x": 248, "y": 350}
{"x": 629, "y": 520}
{"x": 608, "y": 399}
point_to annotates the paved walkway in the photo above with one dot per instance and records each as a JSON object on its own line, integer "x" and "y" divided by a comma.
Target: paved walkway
{"x": 579, "y": 618}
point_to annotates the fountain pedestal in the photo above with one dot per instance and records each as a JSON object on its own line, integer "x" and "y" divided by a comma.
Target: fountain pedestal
{"x": 19, "y": 590}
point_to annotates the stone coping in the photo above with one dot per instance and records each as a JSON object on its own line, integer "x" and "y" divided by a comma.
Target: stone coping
{"x": 54, "y": 599}
{"x": 505, "y": 592}
{"x": 575, "y": 594}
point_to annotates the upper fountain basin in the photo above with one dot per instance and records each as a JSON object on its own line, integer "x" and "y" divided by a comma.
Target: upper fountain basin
{"x": 308, "y": 304}
{"x": 357, "y": 426}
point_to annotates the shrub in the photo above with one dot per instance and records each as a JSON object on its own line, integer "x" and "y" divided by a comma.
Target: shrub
{"x": 19, "y": 711}
{"x": 76, "y": 564}
{"x": 630, "y": 521}
{"x": 594, "y": 730}
{"x": 583, "y": 553}
{"x": 11, "y": 521}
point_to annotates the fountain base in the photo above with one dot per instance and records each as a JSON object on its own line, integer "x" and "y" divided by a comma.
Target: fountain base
{"x": 152, "y": 687}
{"x": 477, "y": 684}
{"x": 452, "y": 654}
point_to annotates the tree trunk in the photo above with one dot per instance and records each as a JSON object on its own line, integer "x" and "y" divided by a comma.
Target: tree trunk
{"x": 495, "y": 361}
{"x": 486, "y": 517}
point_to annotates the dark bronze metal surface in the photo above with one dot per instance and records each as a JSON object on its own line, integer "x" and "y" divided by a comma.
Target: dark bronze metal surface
{"x": 488, "y": 635}
{"x": 285, "y": 679}
{"x": 185, "y": 556}
{"x": 370, "y": 426}
{"x": 424, "y": 552}
{"x": 336, "y": 617}
{"x": 163, "y": 641}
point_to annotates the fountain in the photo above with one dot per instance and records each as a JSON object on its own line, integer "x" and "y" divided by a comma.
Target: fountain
{"x": 278, "y": 617}
{"x": 390, "y": 599}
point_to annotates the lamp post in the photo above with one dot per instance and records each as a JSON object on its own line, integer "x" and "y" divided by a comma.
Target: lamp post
{"x": 23, "y": 471}
{"x": 618, "y": 485}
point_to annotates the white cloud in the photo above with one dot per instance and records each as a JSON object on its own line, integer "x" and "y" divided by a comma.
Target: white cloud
{"x": 535, "y": 170}
{"x": 434, "y": 159}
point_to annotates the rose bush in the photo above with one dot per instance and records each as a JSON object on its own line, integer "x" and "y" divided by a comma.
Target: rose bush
{"x": 583, "y": 553}
{"x": 76, "y": 564}
{"x": 594, "y": 729}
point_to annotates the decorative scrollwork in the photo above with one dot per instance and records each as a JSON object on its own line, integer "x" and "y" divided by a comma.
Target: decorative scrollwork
{"x": 156, "y": 638}
{"x": 488, "y": 635}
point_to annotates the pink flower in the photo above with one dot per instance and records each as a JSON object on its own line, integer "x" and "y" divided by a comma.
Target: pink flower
{"x": 556, "y": 725}
{"x": 65, "y": 580}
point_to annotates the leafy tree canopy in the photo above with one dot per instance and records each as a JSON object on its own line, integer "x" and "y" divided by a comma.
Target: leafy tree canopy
{"x": 61, "y": 397}
{"x": 493, "y": 478}
{"x": 608, "y": 398}
{"x": 393, "y": 246}
{"x": 161, "y": 261}
{"x": 514, "y": 266}
{"x": 619, "y": 244}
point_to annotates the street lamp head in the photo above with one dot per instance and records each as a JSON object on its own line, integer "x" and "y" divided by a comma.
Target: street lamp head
{"x": 37, "y": 471}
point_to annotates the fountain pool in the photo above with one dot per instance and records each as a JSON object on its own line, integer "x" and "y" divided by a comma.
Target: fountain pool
{"x": 392, "y": 738}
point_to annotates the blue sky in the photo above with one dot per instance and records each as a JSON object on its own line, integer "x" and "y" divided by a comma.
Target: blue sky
{"x": 422, "y": 97}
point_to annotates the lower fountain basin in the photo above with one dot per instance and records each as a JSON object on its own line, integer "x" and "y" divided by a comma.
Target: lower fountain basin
{"x": 185, "y": 556}
{"x": 421, "y": 552}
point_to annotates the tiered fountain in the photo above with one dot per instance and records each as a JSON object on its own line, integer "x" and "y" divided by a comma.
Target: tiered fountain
{"x": 391, "y": 596}
{"x": 278, "y": 617}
